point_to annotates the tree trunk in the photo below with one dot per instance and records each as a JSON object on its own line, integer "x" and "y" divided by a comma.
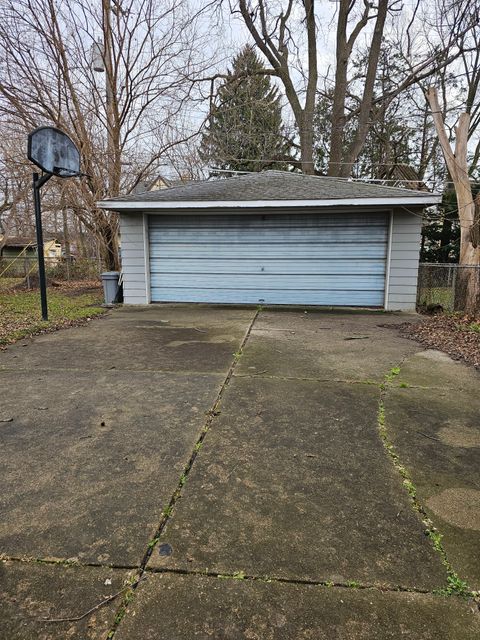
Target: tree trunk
{"x": 367, "y": 98}
{"x": 109, "y": 246}
{"x": 338, "y": 119}
{"x": 467, "y": 294}
{"x": 306, "y": 145}
{"x": 66, "y": 242}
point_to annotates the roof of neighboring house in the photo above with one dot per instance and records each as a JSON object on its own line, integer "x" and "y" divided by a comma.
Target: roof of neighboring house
{"x": 159, "y": 182}
{"x": 266, "y": 187}
{"x": 21, "y": 241}
{"x": 18, "y": 242}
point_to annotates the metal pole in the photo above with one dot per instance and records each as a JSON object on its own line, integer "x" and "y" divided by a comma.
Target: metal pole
{"x": 37, "y": 183}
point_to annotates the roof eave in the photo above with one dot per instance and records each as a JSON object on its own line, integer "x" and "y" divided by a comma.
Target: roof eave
{"x": 152, "y": 205}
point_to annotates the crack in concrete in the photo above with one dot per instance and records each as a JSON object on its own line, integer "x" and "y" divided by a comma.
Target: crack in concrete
{"x": 168, "y": 511}
{"x": 454, "y": 584}
{"x": 65, "y": 562}
{"x": 351, "y": 584}
{"x": 374, "y": 383}
{"x": 110, "y": 370}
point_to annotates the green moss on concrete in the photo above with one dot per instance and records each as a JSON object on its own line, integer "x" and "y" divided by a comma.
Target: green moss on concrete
{"x": 455, "y": 585}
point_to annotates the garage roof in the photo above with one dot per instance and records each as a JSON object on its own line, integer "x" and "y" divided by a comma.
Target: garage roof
{"x": 271, "y": 188}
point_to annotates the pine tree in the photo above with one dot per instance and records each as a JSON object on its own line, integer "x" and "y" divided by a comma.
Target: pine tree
{"x": 245, "y": 131}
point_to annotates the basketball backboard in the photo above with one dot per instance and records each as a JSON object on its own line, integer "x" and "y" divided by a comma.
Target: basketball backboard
{"x": 54, "y": 152}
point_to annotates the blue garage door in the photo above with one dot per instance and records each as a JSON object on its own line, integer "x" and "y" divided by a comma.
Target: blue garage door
{"x": 316, "y": 259}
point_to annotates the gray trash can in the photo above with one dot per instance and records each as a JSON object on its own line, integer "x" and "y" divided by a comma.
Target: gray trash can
{"x": 110, "y": 286}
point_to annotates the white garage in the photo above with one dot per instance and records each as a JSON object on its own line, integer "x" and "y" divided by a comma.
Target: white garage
{"x": 272, "y": 238}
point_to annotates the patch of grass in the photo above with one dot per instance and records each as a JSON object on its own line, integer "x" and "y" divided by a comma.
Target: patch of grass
{"x": 21, "y": 316}
{"x": 9, "y": 283}
{"x": 436, "y": 295}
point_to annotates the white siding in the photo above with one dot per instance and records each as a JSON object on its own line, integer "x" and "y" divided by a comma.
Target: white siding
{"x": 404, "y": 258}
{"x": 134, "y": 260}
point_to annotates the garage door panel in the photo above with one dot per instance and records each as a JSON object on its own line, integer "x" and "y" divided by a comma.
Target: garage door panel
{"x": 335, "y": 259}
{"x": 251, "y": 296}
{"x": 339, "y": 251}
{"x": 267, "y": 236}
{"x": 271, "y": 281}
{"x": 269, "y": 221}
{"x": 302, "y": 266}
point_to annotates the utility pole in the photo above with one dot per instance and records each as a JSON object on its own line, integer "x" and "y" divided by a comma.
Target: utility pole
{"x": 102, "y": 62}
{"x": 110, "y": 96}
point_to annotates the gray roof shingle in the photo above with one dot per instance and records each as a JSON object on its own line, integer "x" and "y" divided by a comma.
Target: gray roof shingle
{"x": 272, "y": 185}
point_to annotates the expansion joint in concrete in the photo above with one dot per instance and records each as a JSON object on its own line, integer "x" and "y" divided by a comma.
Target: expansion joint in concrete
{"x": 168, "y": 511}
{"x": 240, "y": 575}
{"x": 66, "y": 562}
{"x": 454, "y": 584}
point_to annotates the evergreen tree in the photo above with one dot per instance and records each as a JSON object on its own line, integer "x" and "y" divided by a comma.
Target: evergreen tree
{"x": 245, "y": 131}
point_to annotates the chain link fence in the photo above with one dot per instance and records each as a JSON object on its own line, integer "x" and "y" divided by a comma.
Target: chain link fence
{"x": 23, "y": 270}
{"x": 448, "y": 287}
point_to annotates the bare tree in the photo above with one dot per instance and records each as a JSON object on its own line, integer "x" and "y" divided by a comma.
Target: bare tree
{"x": 286, "y": 34}
{"x": 273, "y": 35}
{"x": 340, "y": 163}
{"x": 428, "y": 44}
{"x": 123, "y": 119}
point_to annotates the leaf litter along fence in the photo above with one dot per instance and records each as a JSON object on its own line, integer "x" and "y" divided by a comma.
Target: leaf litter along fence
{"x": 26, "y": 268}
{"x": 448, "y": 287}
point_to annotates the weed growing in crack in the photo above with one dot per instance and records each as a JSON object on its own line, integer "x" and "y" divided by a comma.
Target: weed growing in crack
{"x": 353, "y": 584}
{"x": 238, "y": 575}
{"x": 455, "y": 587}
{"x": 130, "y": 585}
{"x": 153, "y": 542}
{"x": 394, "y": 371}
{"x": 434, "y": 535}
{"x": 389, "y": 377}
{"x": 167, "y": 512}
{"x": 238, "y": 354}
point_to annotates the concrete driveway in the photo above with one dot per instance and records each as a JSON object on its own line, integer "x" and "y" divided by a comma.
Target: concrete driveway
{"x": 258, "y": 475}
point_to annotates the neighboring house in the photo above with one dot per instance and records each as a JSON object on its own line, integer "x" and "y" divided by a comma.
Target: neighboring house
{"x": 12, "y": 247}
{"x": 273, "y": 238}
{"x": 159, "y": 182}
{"x": 52, "y": 249}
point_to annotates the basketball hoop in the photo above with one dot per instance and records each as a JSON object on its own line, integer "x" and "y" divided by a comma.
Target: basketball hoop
{"x": 56, "y": 155}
